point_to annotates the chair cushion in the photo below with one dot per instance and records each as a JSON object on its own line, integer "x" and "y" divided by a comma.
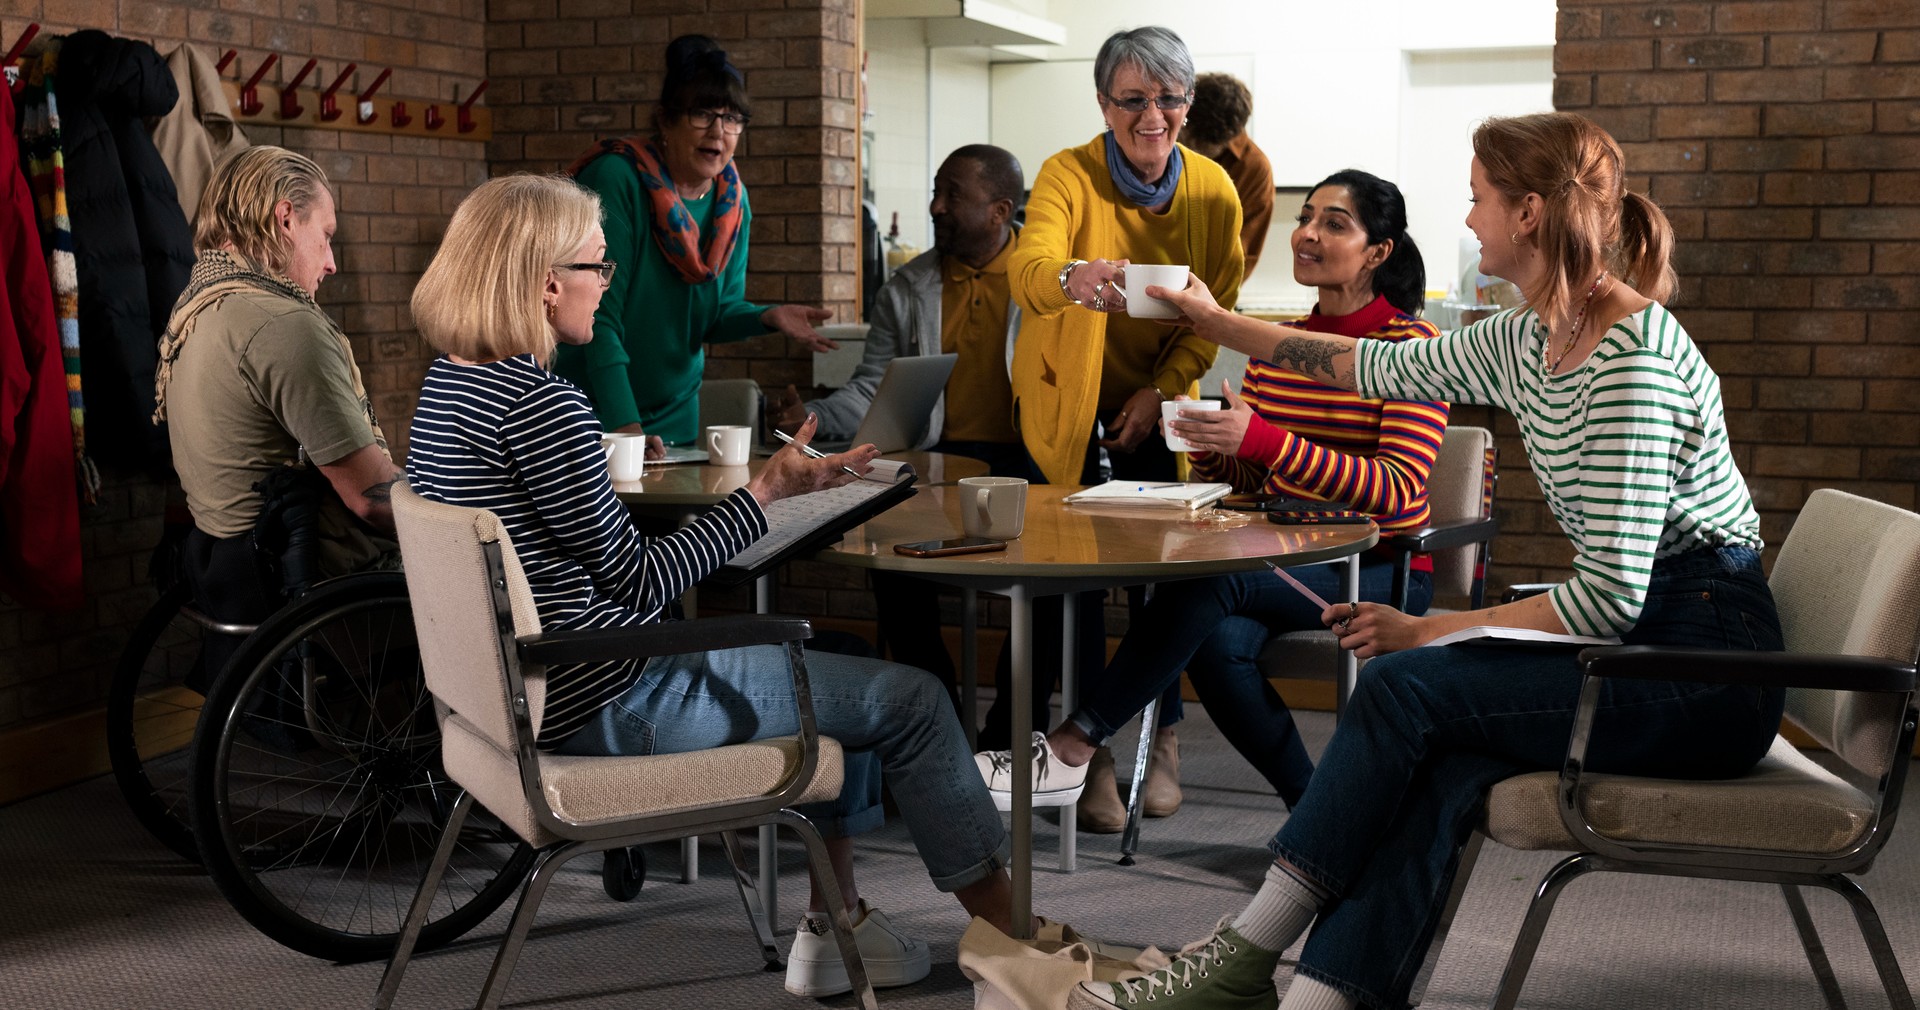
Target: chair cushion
{"x": 597, "y": 789}
{"x": 1786, "y": 803}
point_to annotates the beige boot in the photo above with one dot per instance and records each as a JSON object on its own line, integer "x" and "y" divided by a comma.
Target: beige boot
{"x": 1101, "y": 812}
{"x": 1162, "y": 796}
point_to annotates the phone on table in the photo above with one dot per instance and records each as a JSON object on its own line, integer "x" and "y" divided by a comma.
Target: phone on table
{"x": 1317, "y": 517}
{"x": 943, "y": 548}
{"x": 1261, "y": 502}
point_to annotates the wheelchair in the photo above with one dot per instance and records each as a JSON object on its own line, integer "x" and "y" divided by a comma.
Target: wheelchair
{"x": 304, "y": 775}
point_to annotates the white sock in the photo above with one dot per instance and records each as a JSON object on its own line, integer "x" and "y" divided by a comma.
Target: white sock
{"x": 1313, "y": 994}
{"x": 1282, "y": 909}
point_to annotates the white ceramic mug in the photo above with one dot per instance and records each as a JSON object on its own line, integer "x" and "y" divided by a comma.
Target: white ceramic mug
{"x": 1139, "y": 276}
{"x": 626, "y": 455}
{"x": 1170, "y": 412}
{"x": 993, "y": 507}
{"x": 729, "y": 444}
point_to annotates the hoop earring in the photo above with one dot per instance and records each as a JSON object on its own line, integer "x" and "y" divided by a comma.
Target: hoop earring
{"x": 1514, "y": 238}
{"x": 550, "y": 310}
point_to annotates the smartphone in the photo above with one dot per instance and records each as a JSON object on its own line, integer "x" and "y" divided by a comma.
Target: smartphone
{"x": 1261, "y": 502}
{"x": 1317, "y": 517}
{"x": 942, "y": 548}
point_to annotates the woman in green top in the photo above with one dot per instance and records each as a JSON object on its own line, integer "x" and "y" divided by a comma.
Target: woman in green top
{"x": 676, "y": 222}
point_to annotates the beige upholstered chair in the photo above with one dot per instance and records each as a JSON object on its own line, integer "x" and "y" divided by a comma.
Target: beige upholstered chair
{"x": 484, "y": 658}
{"x": 1460, "y": 494}
{"x": 731, "y": 401}
{"x": 1847, "y": 583}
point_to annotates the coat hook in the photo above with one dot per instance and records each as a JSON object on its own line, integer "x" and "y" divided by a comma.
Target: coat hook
{"x": 226, "y": 59}
{"x": 364, "y": 114}
{"x": 15, "y": 79}
{"x": 329, "y": 109}
{"x": 466, "y": 108}
{"x": 400, "y": 117}
{"x": 290, "y": 94}
{"x": 434, "y": 120}
{"x": 250, "y": 104}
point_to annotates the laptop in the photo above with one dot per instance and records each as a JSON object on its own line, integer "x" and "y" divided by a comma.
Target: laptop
{"x": 897, "y": 418}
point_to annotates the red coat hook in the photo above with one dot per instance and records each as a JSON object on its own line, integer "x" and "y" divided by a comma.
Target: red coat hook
{"x": 226, "y": 59}
{"x": 364, "y": 115}
{"x": 329, "y": 109}
{"x": 290, "y": 96}
{"x": 400, "y": 117}
{"x": 13, "y": 53}
{"x": 466, "y": 108}
{"x": 250, "y": 104}
{"x": 434, "y": 120}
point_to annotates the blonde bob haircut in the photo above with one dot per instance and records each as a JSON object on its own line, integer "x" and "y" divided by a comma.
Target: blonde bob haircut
{"x": 481, "y": 298}
{"x": 237, "y": 208}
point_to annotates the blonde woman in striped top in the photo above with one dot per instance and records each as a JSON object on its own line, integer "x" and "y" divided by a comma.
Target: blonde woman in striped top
{"x": 1623, "y": 426}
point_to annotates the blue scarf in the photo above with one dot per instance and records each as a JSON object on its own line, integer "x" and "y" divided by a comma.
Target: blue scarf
{"x": 1129, "y": 184}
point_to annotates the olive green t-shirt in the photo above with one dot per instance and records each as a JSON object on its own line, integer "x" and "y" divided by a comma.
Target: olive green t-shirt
{"x": 259, "y": 377}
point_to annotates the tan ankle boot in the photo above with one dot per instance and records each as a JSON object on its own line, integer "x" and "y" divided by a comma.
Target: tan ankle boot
{"x": 1101, "y": 812}
{"x": 1162, "y": 796}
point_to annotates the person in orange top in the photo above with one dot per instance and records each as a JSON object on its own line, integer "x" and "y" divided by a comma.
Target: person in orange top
{"x": 1284, "y": 434}
{"x": 1217, "y": 128}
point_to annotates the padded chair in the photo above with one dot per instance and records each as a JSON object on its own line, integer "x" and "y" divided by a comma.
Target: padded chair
{"x": 731, "y": 401}
{"x": 1459, "y": 535}
{"x": 484, "y": 657}
{"x": 1847, "y": 583}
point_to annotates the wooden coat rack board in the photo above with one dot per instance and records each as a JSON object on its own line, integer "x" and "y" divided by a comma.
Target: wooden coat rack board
{"x": 332, "y": 108}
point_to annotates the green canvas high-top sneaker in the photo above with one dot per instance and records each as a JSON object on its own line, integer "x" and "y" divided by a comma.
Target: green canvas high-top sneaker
{"x": 1223, "y": 972}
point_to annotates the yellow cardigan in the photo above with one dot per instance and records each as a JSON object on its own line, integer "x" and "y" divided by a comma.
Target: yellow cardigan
{"x": 1057, "y": 358}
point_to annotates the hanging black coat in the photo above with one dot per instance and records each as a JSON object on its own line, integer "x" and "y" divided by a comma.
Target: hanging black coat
{"x": 131, "y": 242}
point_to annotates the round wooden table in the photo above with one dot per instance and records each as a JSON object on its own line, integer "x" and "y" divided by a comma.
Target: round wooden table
{"x": 684, "y": 488}
{"x": 1067, "y": 549}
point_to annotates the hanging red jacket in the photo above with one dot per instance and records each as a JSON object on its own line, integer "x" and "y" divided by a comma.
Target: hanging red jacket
{"x": 39, "y": 503}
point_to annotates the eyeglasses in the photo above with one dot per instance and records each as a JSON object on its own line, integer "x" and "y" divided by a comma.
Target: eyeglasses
{"x": 730, "y": 122}
{"x": 1165, "y": 103}
{"x": 605, "y": 270}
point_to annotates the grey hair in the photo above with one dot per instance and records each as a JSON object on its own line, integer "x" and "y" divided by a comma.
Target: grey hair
{"x": 1157, "y": 51}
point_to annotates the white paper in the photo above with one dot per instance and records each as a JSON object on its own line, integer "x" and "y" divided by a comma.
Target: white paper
{"x": 1491, "y": 635}
{"x": 1151, "y": 494}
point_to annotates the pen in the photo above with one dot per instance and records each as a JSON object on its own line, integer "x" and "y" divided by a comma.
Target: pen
{"x": 809, "y": 450}
{"x": 1311, "y": 596}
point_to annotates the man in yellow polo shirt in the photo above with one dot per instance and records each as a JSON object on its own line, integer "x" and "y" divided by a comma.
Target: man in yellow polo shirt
{"x": 951, "y": 299}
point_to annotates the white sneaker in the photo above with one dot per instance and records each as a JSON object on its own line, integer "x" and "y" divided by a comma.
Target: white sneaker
{"x": 892, "y": 958}
{"x": 1055, "y": 783}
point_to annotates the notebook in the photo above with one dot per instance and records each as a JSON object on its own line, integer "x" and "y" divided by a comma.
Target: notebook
{"x": 680, "y": 454}
{"x": 1151, "y": 494}
{"x": 902, "y": 405}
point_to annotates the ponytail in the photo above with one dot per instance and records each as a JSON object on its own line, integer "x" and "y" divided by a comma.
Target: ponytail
{"x": 1646, "y": 243}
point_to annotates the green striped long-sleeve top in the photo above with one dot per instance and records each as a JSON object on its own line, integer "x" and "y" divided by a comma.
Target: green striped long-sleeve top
{"x": 1630, "y": 447}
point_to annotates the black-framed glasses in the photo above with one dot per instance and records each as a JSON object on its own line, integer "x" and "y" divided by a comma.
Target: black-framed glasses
{"x": 1165, "y": 103}
{"x": 604, "y": 269}
{"x": 730, "y": 122}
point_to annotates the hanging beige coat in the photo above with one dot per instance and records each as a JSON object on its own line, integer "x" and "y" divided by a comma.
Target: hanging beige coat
{"x": 200, "y": 130}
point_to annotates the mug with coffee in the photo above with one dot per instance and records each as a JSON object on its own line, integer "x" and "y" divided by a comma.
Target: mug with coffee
{"x": 1140, "y": 276}
{"x": 993, "y": 507}
{"x": 1170, "y": 412}
{"x": 729, "y": 444}
{"x": 626, "y": 455}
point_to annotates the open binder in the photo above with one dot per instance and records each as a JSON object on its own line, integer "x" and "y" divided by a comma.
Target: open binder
{"x": 805, "y": 523}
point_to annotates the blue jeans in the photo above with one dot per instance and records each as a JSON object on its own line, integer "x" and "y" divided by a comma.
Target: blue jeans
{"x": 1214, "y": 628}
{"x": 876, "y": 710}
{"x": 1428, "y": 731}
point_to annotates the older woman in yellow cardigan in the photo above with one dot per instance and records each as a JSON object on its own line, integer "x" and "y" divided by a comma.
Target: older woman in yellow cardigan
{"x": 1088, "y": 379}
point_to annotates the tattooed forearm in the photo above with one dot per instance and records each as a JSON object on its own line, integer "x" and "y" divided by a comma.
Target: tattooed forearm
{"x": 383, "y": 491}
{"x": 1315, "y": 358}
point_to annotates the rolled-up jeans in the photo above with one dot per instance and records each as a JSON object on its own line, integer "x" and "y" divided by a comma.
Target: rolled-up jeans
{"x": 1429, "y": 731}
{"x": 888, "y": 718}
{"x": 1214, "y": 629}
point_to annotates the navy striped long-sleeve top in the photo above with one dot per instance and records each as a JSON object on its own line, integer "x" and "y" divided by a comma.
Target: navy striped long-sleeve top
{"x": 511, "y": 437}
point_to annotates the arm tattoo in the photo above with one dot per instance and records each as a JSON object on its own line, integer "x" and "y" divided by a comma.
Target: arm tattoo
{"x": 383, "y": 491}
{"x": 1313, "y": 358}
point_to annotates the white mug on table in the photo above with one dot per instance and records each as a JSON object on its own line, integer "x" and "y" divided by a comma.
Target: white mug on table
{"x": 1140, "y": 276}
{"x": 994, "y": 507}
{"x": 729, "y": 444}
{"x": 626, "y": 455}
{"x": 1170, "y": 412}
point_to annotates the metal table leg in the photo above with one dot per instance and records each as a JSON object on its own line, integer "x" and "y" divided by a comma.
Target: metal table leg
{"x": 1022, "y": 688}
{"x": 970, "y": 666}
{"x": 1069, "y": 814}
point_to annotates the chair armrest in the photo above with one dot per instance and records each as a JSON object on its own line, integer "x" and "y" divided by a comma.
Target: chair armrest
{"x": 1428, "y": 539}
{"x": 664, "y": 638}
{"x": 1758, "y": 669}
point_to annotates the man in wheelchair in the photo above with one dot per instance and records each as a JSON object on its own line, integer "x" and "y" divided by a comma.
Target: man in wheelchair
{"x": 284, "y": 466}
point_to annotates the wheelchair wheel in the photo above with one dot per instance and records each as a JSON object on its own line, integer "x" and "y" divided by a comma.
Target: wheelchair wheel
{"x": 623, "y": 872}
{"x": 152, "y": 706}
{"x": 318, "y": 797}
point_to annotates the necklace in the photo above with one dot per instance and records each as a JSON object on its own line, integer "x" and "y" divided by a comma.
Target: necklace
{"x": 1573, "y": 331}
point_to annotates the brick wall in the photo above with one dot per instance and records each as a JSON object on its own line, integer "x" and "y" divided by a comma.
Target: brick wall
{"x": 396, "y": 194}
{"x": 1783, "y": 139}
